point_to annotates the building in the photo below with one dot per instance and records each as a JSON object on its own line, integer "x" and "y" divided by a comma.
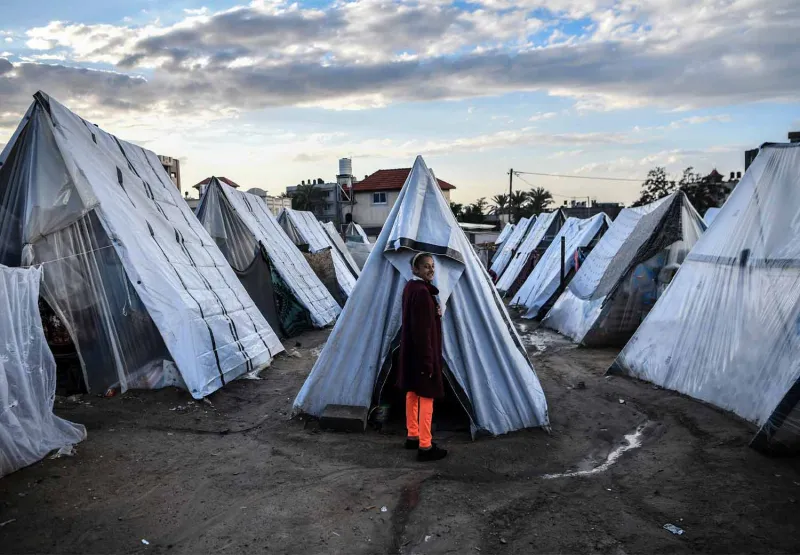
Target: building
{"x": 750, "y": 155}
{"x": 173, "y": 167}
{"x": 374, "y": 197}
{"x": 322, "y": 199}
{"x": 578, "y": 209}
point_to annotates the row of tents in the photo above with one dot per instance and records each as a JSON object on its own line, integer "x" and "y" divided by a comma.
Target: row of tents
{"x": 151, "y": 293}
{"x": 710, "y": 311}
{"x": 155, "y": 295}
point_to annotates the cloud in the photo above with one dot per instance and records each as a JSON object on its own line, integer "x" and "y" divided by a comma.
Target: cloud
{"x": 373, "y": 53}
{"x": 539, "y": 116}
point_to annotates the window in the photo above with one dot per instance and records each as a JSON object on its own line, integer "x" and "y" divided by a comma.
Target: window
{"x": 378, "y": 198}
{"x": 327, "y": 194}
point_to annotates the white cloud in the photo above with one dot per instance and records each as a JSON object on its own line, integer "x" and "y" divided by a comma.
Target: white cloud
{"x": 539, "y": 116}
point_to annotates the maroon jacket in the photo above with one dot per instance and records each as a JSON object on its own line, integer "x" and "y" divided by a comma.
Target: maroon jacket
{"x": 419, "y": 366}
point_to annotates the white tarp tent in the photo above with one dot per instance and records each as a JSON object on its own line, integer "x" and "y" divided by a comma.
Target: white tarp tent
{"x": 304, "y": 229}
{"x": 539, "y": 237}
{"x": 544, "y": 282}
{"x": 269, "y": 265}
{"x": 727, "y": 330}
{"x": 484, "y": 356}
{"x": 28, "y": 428}
{"x": 339, "y": 244}
{"x": 147, "y": 297}
{"x": 506, "y": 253}
{"x": 505, "y": 234}
{"x": 622, "y": 277}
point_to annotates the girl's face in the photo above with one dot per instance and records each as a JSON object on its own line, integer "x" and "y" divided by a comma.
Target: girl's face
{"x": 425, "y": 268}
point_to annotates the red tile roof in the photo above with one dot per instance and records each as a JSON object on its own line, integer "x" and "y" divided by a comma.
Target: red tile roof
{"x": 225, "y": 180}
{"x": 391, "y": 180}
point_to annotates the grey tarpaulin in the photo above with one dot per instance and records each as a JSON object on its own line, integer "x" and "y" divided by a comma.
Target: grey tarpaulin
{"x": 355, "y": 234}
{"x": 221, "y": 205}
{"x": 339, "y": 244}
{"x": 304, "y": 229}
{"x": 545, "y": 279}
{"x": 481, "y": 347}
{"x": 506, "y": 253}
{"x": 539, "y": 237}
{"x": 28, "y": 428}
{"x": 622, "y": 277}
{"x": 505, "y": 234}
{"x": 727, "y": 330}
{"x": 710, "y": 214}
{"x": 146, "y": 295}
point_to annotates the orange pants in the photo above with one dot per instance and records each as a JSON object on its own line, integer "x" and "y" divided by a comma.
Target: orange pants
{"x": 419, "y": 413}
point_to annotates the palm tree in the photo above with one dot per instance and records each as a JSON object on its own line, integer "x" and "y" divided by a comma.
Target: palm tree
{"x": 517, "y": 201}
{"x": 500, "y": 204}
{"x": 539, "y": 199}
{"x": 458, "y": 209}
{"x": 305, "y": 196}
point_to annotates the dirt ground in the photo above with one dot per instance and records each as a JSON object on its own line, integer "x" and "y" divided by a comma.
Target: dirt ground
{"x": 241, "y": 476}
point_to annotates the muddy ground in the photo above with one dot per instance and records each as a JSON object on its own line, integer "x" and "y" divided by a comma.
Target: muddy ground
{"x": 242, "y": 477}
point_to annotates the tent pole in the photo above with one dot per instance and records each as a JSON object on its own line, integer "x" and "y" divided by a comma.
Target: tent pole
{"x": 563, "y": 256}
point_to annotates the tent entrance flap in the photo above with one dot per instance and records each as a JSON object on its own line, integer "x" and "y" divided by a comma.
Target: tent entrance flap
{"x": 453, "y": 412}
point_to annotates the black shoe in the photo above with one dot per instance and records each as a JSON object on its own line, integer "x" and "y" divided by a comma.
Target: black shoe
{"x": 432, "y": 454}
{"x": 412, "y": 444}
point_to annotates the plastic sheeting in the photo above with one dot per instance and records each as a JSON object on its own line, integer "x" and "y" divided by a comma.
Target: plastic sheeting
{"x": 545, "y": 280}
{"x": 28, "y": 428}
{"x": 484, "y": 356}
{"x": 356, "y": 234}
{"x": 147, "y": 297}
{"x": 727, "y": 330}
{"x": 539, "y": 237}
{"x": 339, "y": 244}
{"x": 360, "y": 252}
{"x": 710, "y": 214}
{"x": 622, "y": 277}
{"x": 506, "y": 252}
{"x": 242, "y": 244}
{"x": 505, "y": 234}
{"x": 304, "y": 229}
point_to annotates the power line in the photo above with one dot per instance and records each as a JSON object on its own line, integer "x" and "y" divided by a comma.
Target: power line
{"x": 591, "y": 177}
{"x": 552, "y": 194}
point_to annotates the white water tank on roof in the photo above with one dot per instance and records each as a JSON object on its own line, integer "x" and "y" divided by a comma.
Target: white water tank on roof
{"x": 345, "y": 166}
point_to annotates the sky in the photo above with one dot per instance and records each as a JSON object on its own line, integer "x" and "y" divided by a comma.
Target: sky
{"x": 270, "y": 93}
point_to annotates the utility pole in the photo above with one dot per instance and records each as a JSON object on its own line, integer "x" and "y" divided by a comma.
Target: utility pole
{"x": 510, "y": 186}
{"x": 588, "y": 210}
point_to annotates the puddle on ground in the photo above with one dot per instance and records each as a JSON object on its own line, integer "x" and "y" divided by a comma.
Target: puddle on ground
{"x": 540, "y": 339}
{"x": 631, "y": 441}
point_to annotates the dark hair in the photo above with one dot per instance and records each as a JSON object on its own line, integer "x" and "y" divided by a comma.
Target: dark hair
{"x": 420, "y": 256}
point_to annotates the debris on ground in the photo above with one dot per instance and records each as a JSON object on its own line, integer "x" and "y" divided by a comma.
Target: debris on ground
{"x": 384, "y": 509}
{"x": 674, "y": 529}
{"x": 145, "y": 542}
{"x": 66, "y": 451}
{"x": 622, "y": 401}
{"x": 7, "y": 522}
{"x": 580, "y": 385}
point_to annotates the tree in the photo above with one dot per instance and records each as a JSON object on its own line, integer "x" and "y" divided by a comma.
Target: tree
{"x": 500, "y": 204}
{"x": 458, "y": 210}
{"x": 518, "y": 202}
{"x": 539, "y": 199}
{"x": 475, "y": 212}
{"x": 702, "y": 192}
{"x": 305, "y": 196}
{"x": 656, "y": 186}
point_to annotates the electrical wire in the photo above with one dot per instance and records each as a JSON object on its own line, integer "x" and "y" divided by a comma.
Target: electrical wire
{"x": 591, "y": 177}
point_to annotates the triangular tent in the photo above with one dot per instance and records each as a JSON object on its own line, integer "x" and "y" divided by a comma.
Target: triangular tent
{"x": 339, "y": 244}
{"x": 486, "y": 364}
{"x": 539, "y": 237}
{"x": 727, "y": 330}
{"x": 269, "y": 265}
{"x": 146, "y": 295}
{"x": 544, "y": 283}
{"x": 28, "y": 428}
{"x": 505, "y": 234}
{"x": 305, "y": 230}
{"x": 623, "y": 275}
{"x": 504, "y": 256}
{"x": 355, "y": 234}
